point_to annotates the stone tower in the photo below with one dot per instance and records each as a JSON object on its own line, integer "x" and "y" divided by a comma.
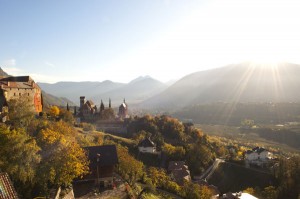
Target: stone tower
{"x": 82, "y": 101}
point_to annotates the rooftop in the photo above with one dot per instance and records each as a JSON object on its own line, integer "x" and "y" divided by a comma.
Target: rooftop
{"x": 105, "y": 155}
{"x": 146, "y": 143}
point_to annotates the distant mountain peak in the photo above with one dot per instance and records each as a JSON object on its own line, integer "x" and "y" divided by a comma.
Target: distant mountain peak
{"x": 140, "y": 78}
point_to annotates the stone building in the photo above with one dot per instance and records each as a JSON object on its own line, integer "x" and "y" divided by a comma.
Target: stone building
{"x": 20, "y": 86}
{"x": 87, "y": 109}
{"x": 123, "y": 110}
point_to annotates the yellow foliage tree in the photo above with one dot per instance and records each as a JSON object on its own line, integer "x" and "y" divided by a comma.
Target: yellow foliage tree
{"x": 62, "y": 158}
{"x": 54, "y": 111}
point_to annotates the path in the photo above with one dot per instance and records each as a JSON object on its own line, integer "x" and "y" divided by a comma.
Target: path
{"x": 207, "y": 174}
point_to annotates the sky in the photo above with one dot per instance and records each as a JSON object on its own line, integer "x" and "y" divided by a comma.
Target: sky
{"x": 97, "y": 40}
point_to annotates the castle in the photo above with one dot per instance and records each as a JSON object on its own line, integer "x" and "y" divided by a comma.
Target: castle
{"x": 89, "y": 111}
{"x": 16, "y": 87}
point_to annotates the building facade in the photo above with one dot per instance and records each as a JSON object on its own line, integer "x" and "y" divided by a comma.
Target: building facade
{"x": 20, "y": 87}
{"x": 147, "y": 146}
{"x": 258, "y": 156}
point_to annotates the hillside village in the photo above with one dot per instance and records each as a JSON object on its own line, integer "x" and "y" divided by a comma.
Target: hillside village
{"x": 91, "y": 151}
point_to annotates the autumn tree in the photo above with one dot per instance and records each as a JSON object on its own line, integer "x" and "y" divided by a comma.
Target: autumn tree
{"x": 288, "y": 175}
{"x": 108, "y": 114}
{"x": 54, "y": 111}
{"x": 20, "y": 111}
{"x": 174, "y": 152}
{"x": 62, "y": 159}
{"x": 196, "y": 191}
{"x": 129, "y": 168}
{"x": 270, "y": 192}
{"x": 159, "y": 178}
{"x": 172, "y": 128}
{"x": 19, "y": 157}
{"x": 199, "y": 157}
{"x": 66, "y": 116}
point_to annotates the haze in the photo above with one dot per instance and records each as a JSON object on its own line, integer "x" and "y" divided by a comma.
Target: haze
{"x": 120, "y": 40}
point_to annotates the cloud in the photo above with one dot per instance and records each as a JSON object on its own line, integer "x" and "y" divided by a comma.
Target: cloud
{"x": 50, "y": 64}
{"x": 44, "y": 78}
{"x": 9, "y": 62}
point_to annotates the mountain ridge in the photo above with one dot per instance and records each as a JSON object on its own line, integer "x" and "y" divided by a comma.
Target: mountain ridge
{"x": 245, "y": 82}
{"x": 135, "y": 91}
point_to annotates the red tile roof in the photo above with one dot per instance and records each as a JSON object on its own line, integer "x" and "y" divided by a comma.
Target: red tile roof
{"x": 7, "y": 191}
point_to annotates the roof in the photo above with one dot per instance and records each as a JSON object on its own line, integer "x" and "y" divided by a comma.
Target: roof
{"x": 18, "y": 82}
{"x": 177, "y": 165}
{"x": 90, "y": 102}
{"x": 7, "y": 190}
{"x": 256, "y": 150}
{"x": 17, "y": 79}
{"x": 124, "y": 105}
{"x": 181, "y": 175}
{"x": 107, "y": 155}
{"x": 146, "y": 143}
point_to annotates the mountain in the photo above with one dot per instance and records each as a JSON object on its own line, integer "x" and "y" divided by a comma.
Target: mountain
{"x": 73, "y": 90}
{"x": 3, "y": 73}
{"x": 245, "y": 82}
{"x": 49, "y": 99}
{"x": 135, "y": 91}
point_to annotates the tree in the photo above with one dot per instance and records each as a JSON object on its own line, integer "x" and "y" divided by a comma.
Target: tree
{"x": 129, "y": 168}
{"x": 54, "y": 111}
{"x": 174, "y": 152}
{"x": 269, "y": 192}
{"x": 199, "y": 157}
{"x": 250, "y": 190}
{"x": 66, "y": 116}
{"x": 107, "y": 114}
{"x": 20, "y": 111}
{"x": 19, "y": 157}
{"x": 62, "y": 159}
{"x": 19, "y": 154}
{"x": 247, "y": 123}
{"x": 195, "y": 191}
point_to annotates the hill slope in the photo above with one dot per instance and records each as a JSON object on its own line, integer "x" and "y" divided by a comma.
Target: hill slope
{"x": 234, "y": 178}
{"x": 135, "y": 91}
{"x": 3, "y": 73}
{"x": 49, "y": 99}
{"x": 246, "y": 82}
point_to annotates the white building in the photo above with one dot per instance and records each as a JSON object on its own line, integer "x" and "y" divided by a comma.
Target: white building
{"x": 258, "y": 156}
{"x": 147, "y": 146}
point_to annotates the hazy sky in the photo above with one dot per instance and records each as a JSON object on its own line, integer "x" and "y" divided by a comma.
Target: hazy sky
{"x": 96, "y": 40}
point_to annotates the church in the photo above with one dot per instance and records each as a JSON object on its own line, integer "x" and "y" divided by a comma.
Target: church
{"x": 88, "y": 111}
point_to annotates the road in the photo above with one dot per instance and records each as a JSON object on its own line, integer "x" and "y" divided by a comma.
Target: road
{"x": 207, "y": 174}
